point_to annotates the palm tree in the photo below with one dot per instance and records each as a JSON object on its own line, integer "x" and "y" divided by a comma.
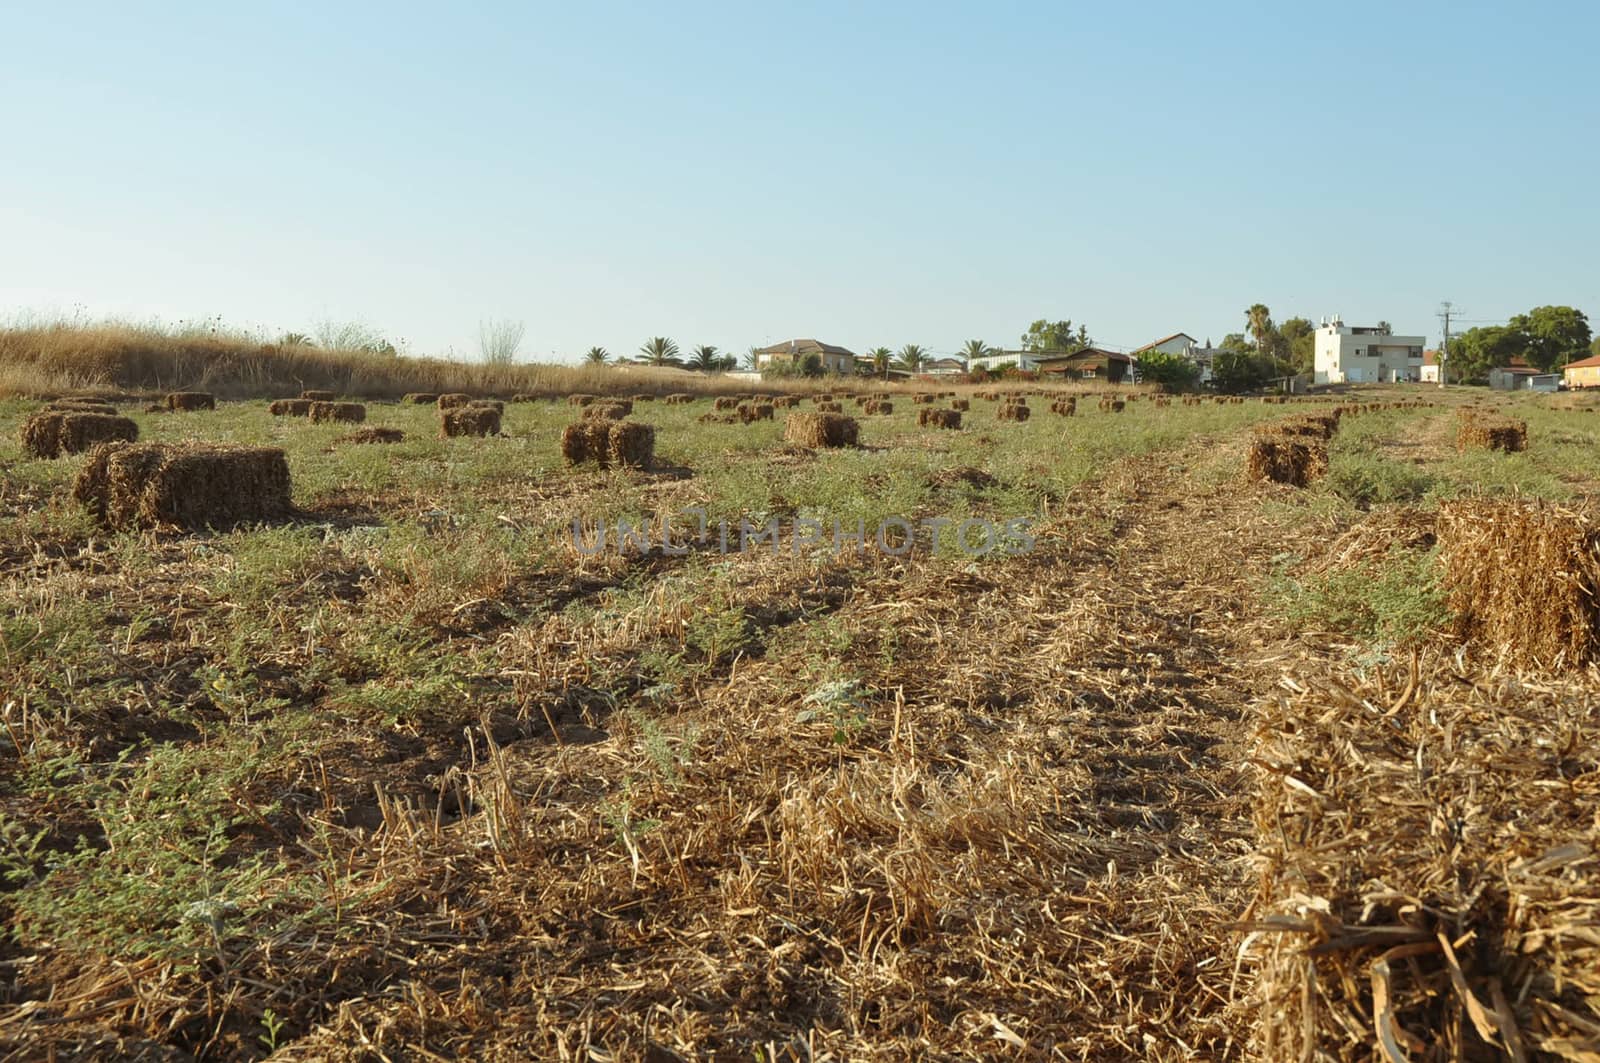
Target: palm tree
{"x": 911, "y": 357}
{"x": 596, "y": 356}
{"x": 975, "y": 349}
{"x": 881, "y": 357}
{"x": 658, "y": 350}
{"x": 751, "y": 361}
{"x": 705, "y": 359}
{"x": 1258, "y": 320}
{"x": 297, "y": 339}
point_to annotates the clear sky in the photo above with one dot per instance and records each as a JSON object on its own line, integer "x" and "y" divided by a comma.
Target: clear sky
{"x": 737, "y": 174}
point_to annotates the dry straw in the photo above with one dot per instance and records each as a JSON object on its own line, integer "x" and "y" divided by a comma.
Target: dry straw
{"x": 1487, "y": 431}
{"x": 419, "y": 398}
{"x": 191, "y": 400}
{"x": 470, "y": 420}
{"x": 960, "y": 404}
{"x": 53, "y": 432}
{"x": 1286, "y": 459}
{"x": 342, "y": 412}
{"x": 939, "y": 418}
{"x": 629, "y": 443}
{"x": 821, "y": 429}
{"x": 607, "y": 411}
{"x": 374, "y": 435}
{"x": 1012, "y": 411}
{"x": 147, "y": 485}
{"x": 290, "y": 407}
{"x": 877, "y": 406}
{"x": 317, "y": 395}
{"x": 1067, "y": 407}
{"x": 453, "y": 400}
{"x": 751, "y": 412}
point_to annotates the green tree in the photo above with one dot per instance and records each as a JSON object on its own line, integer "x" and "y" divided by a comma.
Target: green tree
{"x": 659, "y": 350}
{"x": 973, "y": 349}
{"x": 296, "y": 339}
{"x": 1172, "y": 371}
{"x": 706, "y": 359}
{"x": 1236, "y": 342}
{"x": 911, "y": 357}
{"x": 1299, "y": 337}
{"x": 1476, "y": 351}
{"x": 1054, "y": 337}
{"x": 596, "y": 356}
{"x": 751, "y": 361}
{"x": 1234, "y": 371}
{"x": 1594, "y": 347}
{"x": 881, "y": 359}
{"x": 1552, "y": 336}
{"x": 1258, "y": 322}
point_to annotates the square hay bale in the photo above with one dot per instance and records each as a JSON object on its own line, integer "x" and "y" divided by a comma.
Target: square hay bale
{"x": 606, "y": 411}
{"x": 342, "y": 412}
{"x": 149, "y": 485}
{"x": 419, "y": 398}
{"x": 924, "y": 399}
{"x": 829, "y": 407}
{"x": 821, "y": 429}
{"x": 289, "y": 407}
{"x": 317, "y": 395}
{"x": 54, "y": 432}
{"x": 1294, "y": 460}
{"x": 586, "y": 440}
{"x": 631, "y": 444}
{"x": 642, "y": 397}
{"x": 822, "y": 397}
{"x": 452, "y": 400}
{"x": 1427, "y": 869}
{"x": 1523, "y": 577}
{"x": 1012, "y": 411}
{"x": 191, "y": 400}
{"x": 1487, "y": 432}
{"x": 928, "y": 416}
{"x": 493, "y": 404}
{"x": 877, "y": 406}
{"x": 960, "y": 404}
{"x": 725, "y": 402}
{"x": 81, "y": 406}
{"x": 1162, "y": 402}
{"x": 1067, "y": 407}
{"x": 373, "y": 435}
{"x": 469, "y": 421}
{"x": 1111, "y": 405}
{"x": 578, "y": 398}
{"x": 678, "y": 398}
{"x": 784, "y": 402}
{"x": 750, "y": 412}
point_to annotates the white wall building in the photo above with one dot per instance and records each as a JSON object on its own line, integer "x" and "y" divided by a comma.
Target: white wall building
{"x": 1024, "y": 360}
{"x": 1365, "y": 354}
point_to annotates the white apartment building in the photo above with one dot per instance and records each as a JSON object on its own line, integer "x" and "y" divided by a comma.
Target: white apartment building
{"x": 1360, "y": 354}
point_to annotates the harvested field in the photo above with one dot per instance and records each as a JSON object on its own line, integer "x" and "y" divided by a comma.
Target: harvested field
{"x": 54, "y": 432}
{"x": 341, "y": 412}
{"x": 153, "y": 485}
{"x": 821, "y": 430}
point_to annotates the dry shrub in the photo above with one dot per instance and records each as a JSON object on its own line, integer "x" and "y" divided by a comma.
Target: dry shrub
{"x": 821, "y": 429}
{"x": 1523, "y": 577}
{"x": 453, "y": 400}
{"x": 725, "y": 402}
{"x": 1284, "y": 459}
{"x": 579, "y": 399}
{"x": 678, "y": 398}
{"x": 54, "y": 432}
{"x": 289, "y": 407}
{"x": 939, "y": 418}
{"x": 342, "y": 412}
{"x": 607, "y": 411}
{"x": 1067, "y": 407}
{"x": 469, "y": 421}
{"x": 960, "y": 404}
{"x": 147, "y": 485}
{"x": 751, "y": 412}
{"x": 374, "y": 435}
{"x": 1429, "y": 886}
{"x": 877, "y": 406}
{"x": 1012, "y": 411}
{"x": 317, "y": 395}
{"x": 191, "y": 400}
{"x": 1478, "y": 431}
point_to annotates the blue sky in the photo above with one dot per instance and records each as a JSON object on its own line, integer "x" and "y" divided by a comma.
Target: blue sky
{"x": 741, "y": 174}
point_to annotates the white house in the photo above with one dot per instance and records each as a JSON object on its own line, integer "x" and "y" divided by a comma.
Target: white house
{"x": 1365, "y": 354}
{"x": 1025, "y": 360}
{"x": 944, "y": 367}
{"x": 1430, "y": 367}
{"x": 1184, "y": 346}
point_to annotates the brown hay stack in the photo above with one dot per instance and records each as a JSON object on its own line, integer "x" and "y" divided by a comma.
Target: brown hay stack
{"x": 678, "y": 398}
{"x": 452, "y": 400}
{"x": 373, "y": 435}
{"x": 493, "y": 404}
{"x": 584, "y": 441}
{"x": 628, "y": 443}
{"x": 877, "y": 406}
{"x": 289, "y": 407}
{"x": 191, "y": 400}
{"x": 829, "y": 407}
{"x": 580, "y": 399}
{"x": 821, "y": 429}
{"x": 1293, "y": 460}
{"x": 419, "y": 398}
{"x": 924, "y": 399}
{"x": 939, "y": 418}
{"x": 960, "y": 404}
{"x": 81, "y": 406}
{"x": 751, "y": 412}
{"x": 1161, "y": 402}
{"x": 1488, "y": 432}
{"x": 148, "y": 485}
{"x": 317, "y": 395}
{"x": 642, "y": 397}
{"x": 1110, "y": 405}
{"x": 55, "y": 432}
{"x": 607, "y": 411}
{"x": 1523, "y": 577}
{"x": 469, "y": 421}
{"x": 1067, "y": 407}
{"x": 725, "y": 402}
{"x": 342, "y": 412}
{"x": 1012, "y": 411}
{"x": 821, "y": 397}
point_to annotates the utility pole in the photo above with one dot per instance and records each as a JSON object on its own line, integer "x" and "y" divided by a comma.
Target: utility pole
{"x": 1446, "y": 308}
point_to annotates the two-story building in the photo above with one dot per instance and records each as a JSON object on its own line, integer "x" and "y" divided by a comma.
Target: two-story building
{"x": 1365, "y": 354}
{"x": 833, "y": 359}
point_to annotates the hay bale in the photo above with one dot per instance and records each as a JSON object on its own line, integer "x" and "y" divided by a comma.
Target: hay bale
{"x": 81, "y": 406}
{"x": 821, "y": 429}
{"x": 877, "y": 406}
{"x": 469, "y": 421}
{"x": 1489, "y": 432}
{"x": 580, "y": 399}
{"x": 452, "y": 400}
{"x": 1111, "y": 405}
{"x": 750, "y": 412}
{"x": 289, "y": 407}
{"x": 725, "y": 402}
{"x": 938, "y": 418}
{"x": 641, "y": 397}
{"x": 191, "y": 400}
{"x": 829, "y": 407}
{"x": 1067, "y": 407}
{"x": 1285, "y": 459}
{"x": 584, "y": 441}
{"x": 606, "y": 411}
{"x": 1427, "y": 868}
{"x": 924, "y": 399}
{"x": 419, "y": 398}
{"x": 373, "y": 435}
{"x": 960, "y": 404}
{"x": 678, "y": 398}
{"x": 1523, "y": 577}
{"x": 55, "y": 432}
{"x": 783, "y": 402}
{"x": 1162, "y": 402}
{"x": 1012, "y": 411}
{"x": 342, "y": 412}
{"x": 148, "y": 485}
{"x": 317, "y": 395}
{"x": 822, "y": 397}
{"x": 493, "y": 404}
{"x": 631, "y": 444}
